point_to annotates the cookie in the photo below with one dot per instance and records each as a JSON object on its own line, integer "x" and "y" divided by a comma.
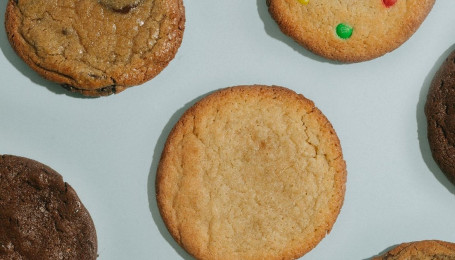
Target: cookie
{"x": 440, "y": 113}
{"x": 251, "y": 172}
{"x": 349, "y": 31}
{"x": 421, "y": 250}
{"x": 96, "y": 47}
{"x": 41, "y": 217}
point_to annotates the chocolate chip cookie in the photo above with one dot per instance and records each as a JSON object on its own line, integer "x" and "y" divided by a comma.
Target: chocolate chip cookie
{"x": 96, "y": 47}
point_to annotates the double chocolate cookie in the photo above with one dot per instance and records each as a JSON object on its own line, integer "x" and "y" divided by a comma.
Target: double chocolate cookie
{"x": 440, "y": 113}
{"x": 41, "y": 216}
{"x": 96, "y": 47}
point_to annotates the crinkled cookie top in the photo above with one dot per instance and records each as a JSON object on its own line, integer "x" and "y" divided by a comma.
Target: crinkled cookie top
{"x": 96, "y": 47}
{"x": 251, "y": 172}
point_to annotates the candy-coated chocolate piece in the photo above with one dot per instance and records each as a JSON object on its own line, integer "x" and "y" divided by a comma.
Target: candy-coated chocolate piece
{"x": 344, "y": 31}
{"x": 304, "y": 2}
{"x": 389, "y": 3}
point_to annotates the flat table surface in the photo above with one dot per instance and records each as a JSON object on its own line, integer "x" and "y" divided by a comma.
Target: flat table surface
{"x": 108, "y": 148}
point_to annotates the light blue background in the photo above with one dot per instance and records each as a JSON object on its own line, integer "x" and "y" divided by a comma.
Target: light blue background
{"x": 108, "y": 148}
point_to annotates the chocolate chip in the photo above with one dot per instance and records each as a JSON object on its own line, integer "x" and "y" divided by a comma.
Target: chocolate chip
{"x": 121, "y": 6}
{"x": 125, "y": 9}
{"x": 107, "y": 90}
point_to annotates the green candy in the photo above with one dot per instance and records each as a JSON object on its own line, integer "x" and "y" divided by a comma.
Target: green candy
{"x": 344, "y": 31}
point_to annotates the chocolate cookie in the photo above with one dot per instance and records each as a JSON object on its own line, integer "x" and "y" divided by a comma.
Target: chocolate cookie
{"x": 421, "y": 250}
{"x": 350, "y": 31}
{"x": 41, "y": 217}
{"x": 440, "y": 113}
{"x": 251, "y": 172}
{"x": 96, "y": 47}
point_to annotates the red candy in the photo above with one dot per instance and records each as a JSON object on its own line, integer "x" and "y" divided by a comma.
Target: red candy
{"x": 389, "y": 3}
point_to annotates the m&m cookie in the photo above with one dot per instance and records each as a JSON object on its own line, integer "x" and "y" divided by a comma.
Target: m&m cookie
{"x": 350, "y": 31}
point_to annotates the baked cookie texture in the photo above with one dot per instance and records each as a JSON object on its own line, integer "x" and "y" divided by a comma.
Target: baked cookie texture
{"x": 93, "y": 47}
{"x": 251, "y": 172}
{"x": 421, "y": 250}
{"x": 348, "y": 30}
{"x": 440, "y": 113}
{"x": 41, "y": 216}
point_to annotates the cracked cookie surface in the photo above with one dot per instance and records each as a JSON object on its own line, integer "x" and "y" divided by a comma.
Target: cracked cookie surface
{"x": 421, "y": 250}
{"x": 91, "y": 46}
{"x": 440, "y": 113}
{"x": 349, "y": 30}
{"x": 251, "y": 172}
{"x": 41, "y": 216}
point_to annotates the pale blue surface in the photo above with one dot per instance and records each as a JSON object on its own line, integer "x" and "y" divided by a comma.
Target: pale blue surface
{"x": 108, "y": 148}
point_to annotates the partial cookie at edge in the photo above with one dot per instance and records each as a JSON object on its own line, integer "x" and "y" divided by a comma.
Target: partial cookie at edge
{"x": 41, "y": 216}
{"x": 421, "y": 250}
{"x": 89, "y": 48}
{"x": 440, "y": 113}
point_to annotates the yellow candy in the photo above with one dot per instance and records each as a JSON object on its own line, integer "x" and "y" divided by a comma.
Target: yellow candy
{"x": 304, "y": 2}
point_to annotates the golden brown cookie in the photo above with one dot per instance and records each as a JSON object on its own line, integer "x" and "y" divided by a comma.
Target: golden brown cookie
{"x": 251, "y": 172}
{"x": 350, "y": 31}
{"x": 421, "y": 250}
{"x": 41, "y": 216}
{"x": 96, "y": 47}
